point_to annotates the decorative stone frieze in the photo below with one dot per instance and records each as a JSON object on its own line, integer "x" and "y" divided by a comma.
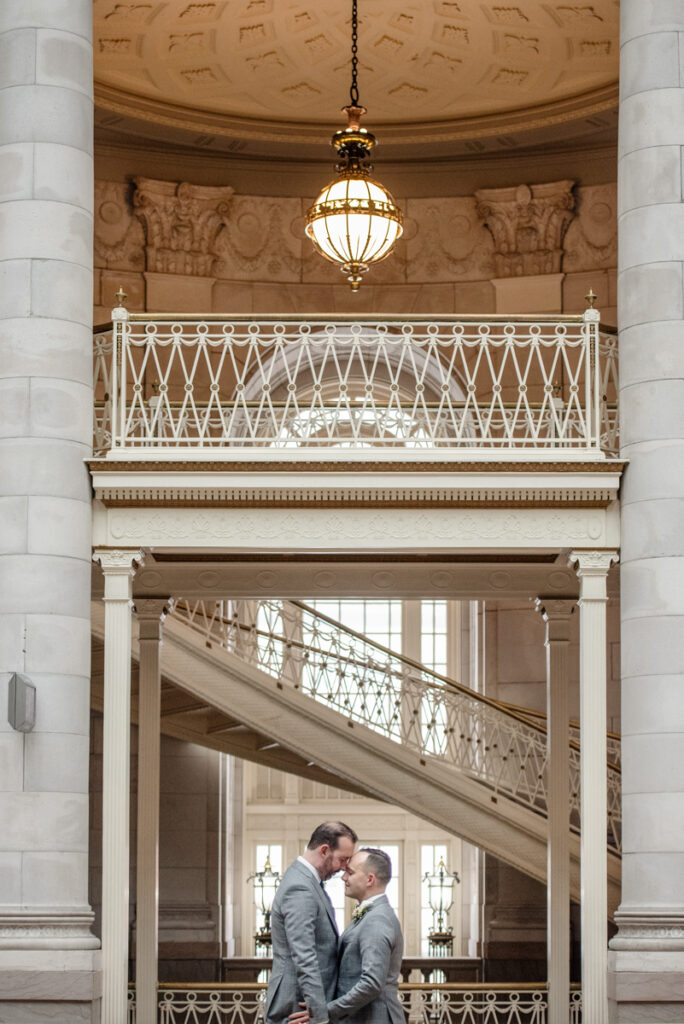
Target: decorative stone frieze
{"x": 528, "y": 224}
{"x": 182, "y": 223}
{"x": 119, "y": 240}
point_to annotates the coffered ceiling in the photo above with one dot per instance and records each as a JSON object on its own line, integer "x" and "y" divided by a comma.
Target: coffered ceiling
{"x": 431, "y": 71}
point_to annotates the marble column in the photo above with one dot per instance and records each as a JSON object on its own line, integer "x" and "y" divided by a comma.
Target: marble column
{"x": 592, "y": 569}
{"x": 556, "y": 614}
{"x": 647, "y": 958}
{"x": 118, "y": 568}
{"x": 46, "y": 191}
{"x": 151, "y": 615}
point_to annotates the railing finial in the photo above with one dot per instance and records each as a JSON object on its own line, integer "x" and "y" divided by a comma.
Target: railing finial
{"x": 591, "y": 298}
{"x": 121, "y": 296}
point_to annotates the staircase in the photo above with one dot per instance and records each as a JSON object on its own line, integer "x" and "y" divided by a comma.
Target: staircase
{"x": 280, "y": 684}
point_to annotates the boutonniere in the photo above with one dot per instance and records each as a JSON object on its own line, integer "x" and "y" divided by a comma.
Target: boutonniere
{"x": 358, "y": 913}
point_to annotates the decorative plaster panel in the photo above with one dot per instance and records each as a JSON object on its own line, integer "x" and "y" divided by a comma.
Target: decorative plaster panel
{"x": 314, "y": 529}
{"x": 591, "y": 240}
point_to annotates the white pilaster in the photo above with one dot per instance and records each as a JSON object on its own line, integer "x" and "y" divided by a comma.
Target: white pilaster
{"x": 118, "y": 568}
{"x": 556, "y": 615}
{"x": 151, "y": 615}
{"x": 592, "y": 569}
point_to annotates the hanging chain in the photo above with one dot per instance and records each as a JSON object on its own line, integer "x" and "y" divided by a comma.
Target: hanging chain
{"x": 354, "y": 91}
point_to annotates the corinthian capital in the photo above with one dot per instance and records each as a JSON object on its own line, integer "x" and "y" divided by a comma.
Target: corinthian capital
{"x": 528, "y": 224}
{"x": 181, "y": 223}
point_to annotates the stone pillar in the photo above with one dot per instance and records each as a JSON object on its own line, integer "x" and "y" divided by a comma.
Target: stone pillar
{"x": 118, "y": 569}
{"x": 556, "y": 615}
{"x": 46, "y": 185}
{"x": 151, "y": 615}
{"x": 592, "y": 569}
{"x": 647, "y": 962}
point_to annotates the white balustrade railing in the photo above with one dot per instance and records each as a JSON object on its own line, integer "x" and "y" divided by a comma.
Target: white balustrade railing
{"x": 531, "y": 386}
{"x": 395, "y": 697}
{"x": 423, "y": 1004}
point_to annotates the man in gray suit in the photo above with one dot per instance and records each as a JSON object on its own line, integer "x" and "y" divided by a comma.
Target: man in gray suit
{"x": 303, "y": 928}
{"x": 371, "y": 949}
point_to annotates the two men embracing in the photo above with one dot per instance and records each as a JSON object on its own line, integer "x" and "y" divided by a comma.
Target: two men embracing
{"x": 318, "y": 976}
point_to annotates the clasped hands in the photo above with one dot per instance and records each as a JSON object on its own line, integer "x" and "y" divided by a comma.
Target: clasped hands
{"x": 300, "y": 1016}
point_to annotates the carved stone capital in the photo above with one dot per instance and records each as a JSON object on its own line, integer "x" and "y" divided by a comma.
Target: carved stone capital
{"x": 528, "y": 224}
{"x": 592, "y": 563}
{"x": 181, "y": 223}
{"x": 151, "y": 613}
{"x": 122, "y": 561}
{"x": 556, "y": 613}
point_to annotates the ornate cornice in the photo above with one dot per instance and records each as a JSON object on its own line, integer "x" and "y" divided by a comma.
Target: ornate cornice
{"x": 308, "y": 466}
{"x": 194, "y": 120}
{"x": 340, "y": 497}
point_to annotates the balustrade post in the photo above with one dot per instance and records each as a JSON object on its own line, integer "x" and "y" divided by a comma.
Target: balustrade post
{"x": 151, "y": 615}
{"x": 592, "y": 569}
{"x": 118, "y": 567}
{"x": 556, "y": 614}
{"x": 117, "y": 377}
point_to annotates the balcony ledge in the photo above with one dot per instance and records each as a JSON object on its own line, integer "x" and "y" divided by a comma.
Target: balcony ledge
{"x": 357, "y": 480}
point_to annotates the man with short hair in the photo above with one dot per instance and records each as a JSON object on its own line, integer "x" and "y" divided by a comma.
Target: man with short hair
{"x": 371, "y": 948}
{"x": 303, "y": 928}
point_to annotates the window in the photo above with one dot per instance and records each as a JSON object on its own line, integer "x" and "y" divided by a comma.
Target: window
{"x": 378, "y": 620}
{"x": 433, "y": 639}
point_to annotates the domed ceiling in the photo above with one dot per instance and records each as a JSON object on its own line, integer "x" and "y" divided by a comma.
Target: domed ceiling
{"x": 429, "y": 70}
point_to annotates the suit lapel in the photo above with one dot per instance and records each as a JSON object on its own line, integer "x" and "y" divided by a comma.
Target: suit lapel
{"x": 323, "y": 897}
{"x": 327, "y": 904}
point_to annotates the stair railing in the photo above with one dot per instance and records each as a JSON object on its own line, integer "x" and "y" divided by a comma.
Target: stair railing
{"x": 430, "y": 715}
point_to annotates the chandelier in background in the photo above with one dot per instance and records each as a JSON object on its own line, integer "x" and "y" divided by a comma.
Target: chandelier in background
{"x": 355, "y": 220}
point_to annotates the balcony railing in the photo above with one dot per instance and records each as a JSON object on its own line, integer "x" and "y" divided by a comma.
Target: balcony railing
{"x": 510, "y": 388}
{"x": 423, "y": 1004}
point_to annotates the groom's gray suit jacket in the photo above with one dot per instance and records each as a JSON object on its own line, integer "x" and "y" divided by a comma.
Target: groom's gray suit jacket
{"x": 370, "y": 956}
{"x": 304, "y": 935}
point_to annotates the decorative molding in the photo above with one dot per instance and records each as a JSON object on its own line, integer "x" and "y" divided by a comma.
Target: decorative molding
{"x": 528, "y": 225}
{"x": 182, "y": 223}
{"x": 315, "y": 527}
{"x": 345, "y": 497}
{"x": 32, "y": 929}
{"x": 373, "y": 466}
{"x": 648, "y": 932}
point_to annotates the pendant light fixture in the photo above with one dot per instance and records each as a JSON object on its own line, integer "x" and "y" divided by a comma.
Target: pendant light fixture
{"x": 354, "y": 221}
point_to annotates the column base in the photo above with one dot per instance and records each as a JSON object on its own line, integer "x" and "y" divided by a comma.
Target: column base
{"x": 645, "y": 986}
{"x": 60, "y": 986}
{"x": 46, "y": 928}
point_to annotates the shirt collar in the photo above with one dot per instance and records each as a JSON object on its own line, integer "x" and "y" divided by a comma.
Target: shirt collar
{"x": 371, "y": 899}
{"x": 311, "y": 868}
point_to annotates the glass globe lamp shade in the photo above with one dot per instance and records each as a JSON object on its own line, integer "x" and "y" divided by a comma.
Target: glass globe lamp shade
{"x": 354, "y": 222}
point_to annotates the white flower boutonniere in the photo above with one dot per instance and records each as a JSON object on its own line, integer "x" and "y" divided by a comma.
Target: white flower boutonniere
{"x": 358, "y": 913}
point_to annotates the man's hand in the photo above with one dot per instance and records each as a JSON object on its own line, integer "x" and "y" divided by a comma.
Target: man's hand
{"x": 301, "y": 1016}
